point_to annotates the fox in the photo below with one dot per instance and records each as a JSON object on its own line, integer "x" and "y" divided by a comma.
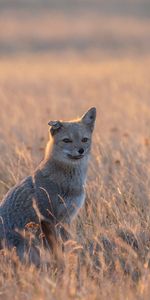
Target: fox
{"x": 53, "y": 195}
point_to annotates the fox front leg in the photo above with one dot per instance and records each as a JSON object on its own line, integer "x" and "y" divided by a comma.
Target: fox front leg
{"x": 64, "y": 233}
{"x": 50, "y": 235}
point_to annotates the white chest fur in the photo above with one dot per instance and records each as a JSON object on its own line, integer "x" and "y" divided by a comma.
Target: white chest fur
{"x": 76, "y": 204}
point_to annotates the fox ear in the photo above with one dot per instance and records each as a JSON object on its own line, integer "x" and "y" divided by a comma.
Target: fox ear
{"x": 89, "y": 118}
{"x": 55, "y": 126}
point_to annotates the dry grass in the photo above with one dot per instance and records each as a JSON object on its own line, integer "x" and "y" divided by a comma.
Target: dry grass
{"x": 112, "y": 262}
{"x": 112, "y": 230}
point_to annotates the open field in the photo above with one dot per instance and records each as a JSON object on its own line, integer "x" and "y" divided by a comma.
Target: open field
{"x": 100, "y": 60}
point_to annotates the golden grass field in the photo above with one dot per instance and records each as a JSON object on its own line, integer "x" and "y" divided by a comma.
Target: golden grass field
{"x": 86, "y": 60}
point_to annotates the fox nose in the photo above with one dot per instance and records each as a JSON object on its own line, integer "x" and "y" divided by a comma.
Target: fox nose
{"x": 81, "y": 150}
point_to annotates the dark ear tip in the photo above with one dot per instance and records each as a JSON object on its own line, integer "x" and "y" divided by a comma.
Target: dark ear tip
{"x": 92, "y": 112}
{"x": 93, "y": 109}
{"x": 54, "y": 123}
{"x": 55, "y": 126}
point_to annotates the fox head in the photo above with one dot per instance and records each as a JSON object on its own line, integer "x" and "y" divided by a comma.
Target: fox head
{"x": 71, "y": 141}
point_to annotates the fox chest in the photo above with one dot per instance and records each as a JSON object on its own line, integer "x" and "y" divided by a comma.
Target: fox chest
{"x": 69, "y": 207}
{"x": 62, "y": 201}
{"x": 77, "y": 202}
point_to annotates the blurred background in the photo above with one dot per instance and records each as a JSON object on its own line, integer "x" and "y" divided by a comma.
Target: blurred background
{"x": 91, "y": 27}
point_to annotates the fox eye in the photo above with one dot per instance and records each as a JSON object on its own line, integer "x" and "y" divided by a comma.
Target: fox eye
{"x": 67, "y": 140}
{"x": 84, "y": 140}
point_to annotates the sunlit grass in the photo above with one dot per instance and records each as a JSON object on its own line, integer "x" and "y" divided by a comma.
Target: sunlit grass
{"x": 112, "y": 230}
